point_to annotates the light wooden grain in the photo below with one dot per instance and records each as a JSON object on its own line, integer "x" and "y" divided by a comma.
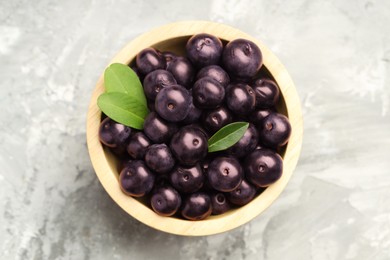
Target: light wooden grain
{"x": 172, "y": 37}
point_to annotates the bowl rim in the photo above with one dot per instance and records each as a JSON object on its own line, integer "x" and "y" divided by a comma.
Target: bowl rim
{"x": 214, "y": 224}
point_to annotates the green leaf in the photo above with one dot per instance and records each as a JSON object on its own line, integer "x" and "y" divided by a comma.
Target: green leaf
{"x": 121, "y": 78}
{"x": 123, "y": 109}
{"x": 227, "y": 136}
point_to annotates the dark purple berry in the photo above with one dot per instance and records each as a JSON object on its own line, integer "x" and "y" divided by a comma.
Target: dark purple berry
{"x": 275, "y": 130}
{"x": 113, "y": 134}
{"x": 263, "y": 167}
{"x": 208, "y": 93}
{"x": 243, "y": 194}
{"x": 257, "y": 117}
{"x": 183, "y": 71}
{"x": 173, "y": 103}
{"x": 215, "y": 72}
{"x": 196, "y": 206}
{"x": 225, "y": 174}
{"x": 267, "y": 93}
{"x": 219, "y": 203}
{"x": 137, "y": 146}
{"x": 242, "y": 59}
{"x": 157, "y": 80}
{"x": 136, "y": 179}
{"x": 159, "y": 158}
{"x": 165, "y": 201}
{"x": 246, "y": 144}
{"x": 149, "y": 60}
{"x": 204, "y": 49}
{"x": 187, "y": 179}
{"x": 214, "y": 120}
{"x": 189, "y": 145}
{"x": 169, "y": 56}
{"x": 157, "y": 129}
{"x": 240, "y": 98}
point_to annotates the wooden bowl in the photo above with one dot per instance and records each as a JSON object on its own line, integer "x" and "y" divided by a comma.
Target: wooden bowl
{"x": 173, "y": 37}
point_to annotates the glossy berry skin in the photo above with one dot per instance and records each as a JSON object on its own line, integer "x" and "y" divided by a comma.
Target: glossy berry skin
{"x": 263, "y": 167}
{"x": 243, "y": 194}
{"x": 225, "y": 174}
{"x": 157, "y": 80}
{"x": 196, "y": 206}
{"x": 138, "y": 145}
{"x": 173, "y": 103}
{"x": 242, "y": 59}
{"x": 257, "y": 117}
{"x": 169, "y": 56}
{"x": 204, "y": 49}
{"x": 136, "y": 179}
{"x": 275, "y": 130}
{"x": 183, "y": 71}
{"x": 149, "y": 60}
{"x": 157, "y": 129}
{"x": 208, "y": 93}
{"x": 246, "y": 144}
{"x": 240, "y": 98}
{"x": 219, "y": 203}
{"x": 267, "y": 93}
{"x": 215, "y": 72}
{"x": 113, "y": 134}
{"x": 215, "y": 119}
{"x": 187, "y": 179}
{"x": 189, "y": 145}
{"x": 165, "y": 201}
{"x": 159, "y": 158}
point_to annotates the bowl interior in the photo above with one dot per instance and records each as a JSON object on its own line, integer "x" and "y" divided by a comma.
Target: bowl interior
{"x": 177, "y": 46}
{"x": 173, "y": 38}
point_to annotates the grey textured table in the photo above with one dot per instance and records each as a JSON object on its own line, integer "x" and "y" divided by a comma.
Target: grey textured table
{"x": 336, "y": 205}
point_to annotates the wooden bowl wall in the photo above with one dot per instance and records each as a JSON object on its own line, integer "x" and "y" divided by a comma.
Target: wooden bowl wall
{"x": 173, "y": 37}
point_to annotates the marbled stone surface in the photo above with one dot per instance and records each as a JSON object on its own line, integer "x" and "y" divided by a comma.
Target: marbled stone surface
{"x": 336, "y": 205}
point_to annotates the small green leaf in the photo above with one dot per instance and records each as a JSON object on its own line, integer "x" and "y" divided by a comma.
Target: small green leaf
{"x": 123, "y": 109}
{"x": 121, "y": 78}
{"x": 227, "y": 136}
